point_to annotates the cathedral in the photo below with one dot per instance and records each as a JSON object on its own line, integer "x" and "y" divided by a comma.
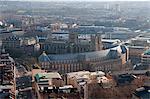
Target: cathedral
{"x": 74, "y": 55}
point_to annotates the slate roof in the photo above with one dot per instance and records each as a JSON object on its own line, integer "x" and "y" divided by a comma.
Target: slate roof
{"x": 143, "y": 93}
{"x": 147, "y": 52}
{"x": 43, "y": 58}
{"x": 112, "y": 53}
{"x": 124, "y": 49}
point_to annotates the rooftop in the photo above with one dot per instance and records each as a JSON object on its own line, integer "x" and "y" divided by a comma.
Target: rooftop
{"x": 80, "y": 73}
{"x": 51, "y": 75}
{"x": 147, "y": 52}
{"x": 142, "y": 93}
{"x": 85, "y": 74}
{"x": 111, "y": 40}
{"x": 44, "y": 58}
{"x": 103, "y": 54}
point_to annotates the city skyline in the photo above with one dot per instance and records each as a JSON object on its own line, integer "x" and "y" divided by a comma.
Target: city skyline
{"x": 74, "y": 49}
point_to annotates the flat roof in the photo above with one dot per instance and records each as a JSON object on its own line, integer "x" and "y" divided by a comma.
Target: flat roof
{"x": 2, "y": 65}
{"x": 111, "y": 40}
{"x": 80, "y": 73}
{"x": 50, "y": 75}
{"x": 147, "y": 52}
{"x": 6, "y": 87}
{"x": 66, "y": 87}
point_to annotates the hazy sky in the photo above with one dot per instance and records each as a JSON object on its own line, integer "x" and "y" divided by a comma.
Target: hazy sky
{"x": 78, "y": 0}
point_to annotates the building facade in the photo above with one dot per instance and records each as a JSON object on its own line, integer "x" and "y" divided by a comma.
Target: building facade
{"x": 145, "y": 59}
{"x": 72, "y": 45}
{"x": 135, "y": 53}
{"x": 7, "y": 81}
{"x": 12, "y": 42}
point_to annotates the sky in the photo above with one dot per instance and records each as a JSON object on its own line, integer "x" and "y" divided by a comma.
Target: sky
{"x": 77, "y": 0}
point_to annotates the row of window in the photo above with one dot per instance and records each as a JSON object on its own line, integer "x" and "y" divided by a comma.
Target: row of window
{"x": 63, "y": 68}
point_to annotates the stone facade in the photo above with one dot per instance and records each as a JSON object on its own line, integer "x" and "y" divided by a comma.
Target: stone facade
{"x": 12, "y": 42}
{"x": 73, "y": 45}
{"x": 135, "y": 53}
{"x": 145, "y": 59}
